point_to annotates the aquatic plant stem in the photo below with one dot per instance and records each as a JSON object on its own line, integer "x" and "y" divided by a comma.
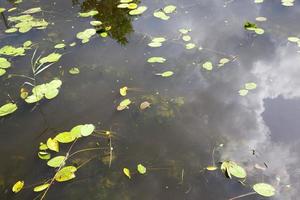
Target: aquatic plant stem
{"x": 243, "y": 195}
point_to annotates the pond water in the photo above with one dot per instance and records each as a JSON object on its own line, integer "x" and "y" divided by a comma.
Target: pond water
{"x": 197, "y": 117}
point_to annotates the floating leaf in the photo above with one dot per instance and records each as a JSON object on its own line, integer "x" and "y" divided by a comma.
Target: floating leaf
{"x": 53, "y": 57}
{"x": 250, "y": 86}
{"x": 41, "y": 187}
{"x": 125, "y": 1}
{"x": 132, "y": 6}
{"x": 27, "y": 44}
{"x": 85, "y": 35}
{"x": 2, "y": 71}
{"x": 184, "y": 31}
{"x": 60, "y": 46}
{"x": 293, "y": 39}
{"x": 155, "y": 44}
{"x": 186, "y": 38}
{"x": 138, "y": 11}
{"x": 32, "y": 10}
{"x": 190, "y": 46}
{"x": 11, "y": 30}
{"x": 76, "y": 131}
{"x": 89, "y": 14}
{"x": 74, "y": 70}
{"x": 18, "y": 186}
{"x": 44, "y": 155}
{"x": 123, "y": 91}
{"x": 159, "y": 39}
{"x": 223, "y": 61}
{"x": 261, "y": 19}
{"x": 87, "y": 129}
{"x": 243, "y": 92}
{"x": 2, "y": 10}
{"x": 259, "y": 31}
{"x": 65, "y": 174}
{"x": 52, "y": 145}
{"x": 65, "y": 137}
{"x": 231, "y": 168}
{"x": 96, "y": 23}
{"x": 264, "y": 189}
{"x": 211, "y": 168}
{"x": 166, "y": 74}
{"x": 43, "y": 146}
{"x": 124, "y": 104}
{"x": 56, "y": 161}
{"x": 156, "y": 60}
{"x": 208, "y": 65}
{"x": 161, "y": 15}
{"x": 4, "y": 63}
{"x": 141, "y": 169}
{"x": 8, "y": 109}
{"x": 123, "y": 5}
{"x": 126, "y": 171}
{"x": 12, "y": 51}
{"x": 169, "y": 9}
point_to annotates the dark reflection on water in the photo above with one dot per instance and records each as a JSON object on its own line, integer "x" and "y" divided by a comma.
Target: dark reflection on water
{"x": 192, "y": 112}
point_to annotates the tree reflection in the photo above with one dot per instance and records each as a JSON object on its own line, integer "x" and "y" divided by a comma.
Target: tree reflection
{"x": 118, "y": 19}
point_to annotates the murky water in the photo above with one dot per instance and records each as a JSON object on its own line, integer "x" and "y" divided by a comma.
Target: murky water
{"x": 192, "y": 112}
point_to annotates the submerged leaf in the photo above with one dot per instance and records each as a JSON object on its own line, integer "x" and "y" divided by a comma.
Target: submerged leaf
{"x": 144, "y": 105}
